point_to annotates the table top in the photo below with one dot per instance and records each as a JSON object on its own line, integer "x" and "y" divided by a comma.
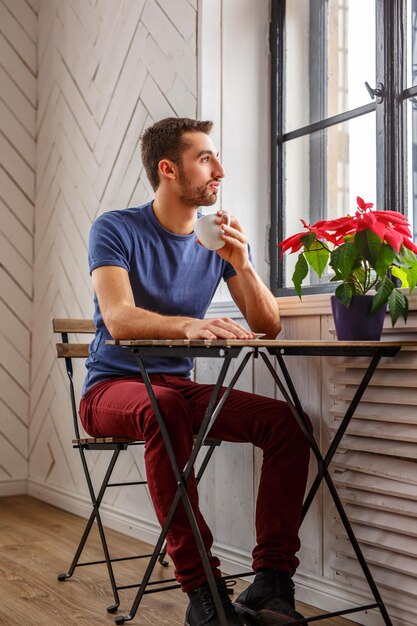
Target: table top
{"x": 278, "y": 346}
{"x": 260, "y": 343}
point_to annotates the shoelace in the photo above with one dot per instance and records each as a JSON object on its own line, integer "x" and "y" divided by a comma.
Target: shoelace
{"x": 207, "y": 600}
{"x": 284, "y": 588}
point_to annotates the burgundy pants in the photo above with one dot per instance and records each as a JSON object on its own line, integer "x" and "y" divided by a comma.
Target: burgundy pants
{"x": 121, "y": 407}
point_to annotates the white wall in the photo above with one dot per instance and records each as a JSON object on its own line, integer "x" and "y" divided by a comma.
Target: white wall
{"x": 106, "y": 71}
{"x": 234, "y": 91}
{"x": 18, "y": 35}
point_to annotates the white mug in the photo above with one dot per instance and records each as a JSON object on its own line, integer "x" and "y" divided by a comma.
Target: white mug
{"x": 209, "y": 231}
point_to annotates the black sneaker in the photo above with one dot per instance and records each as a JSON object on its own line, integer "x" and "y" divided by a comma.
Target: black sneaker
{"x": 201, "y": 610}
{"x": 269, "y": 600}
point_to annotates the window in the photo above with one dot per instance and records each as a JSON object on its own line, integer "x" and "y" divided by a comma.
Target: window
{"x": 343, "y": 115}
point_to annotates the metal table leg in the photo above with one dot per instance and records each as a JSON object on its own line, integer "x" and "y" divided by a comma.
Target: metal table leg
{"x": 212, "y": 411}
{"x": 295, "y": 406}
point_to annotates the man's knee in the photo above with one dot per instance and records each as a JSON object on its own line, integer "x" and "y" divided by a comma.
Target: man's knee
{"x": 289, "y": 426}
{"x": 173, "y": 410}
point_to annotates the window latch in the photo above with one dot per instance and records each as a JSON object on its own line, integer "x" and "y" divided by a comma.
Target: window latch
{"x": 376, "y": 94}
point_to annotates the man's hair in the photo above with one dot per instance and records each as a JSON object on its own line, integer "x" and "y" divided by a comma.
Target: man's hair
{"x": 165, "y": 140}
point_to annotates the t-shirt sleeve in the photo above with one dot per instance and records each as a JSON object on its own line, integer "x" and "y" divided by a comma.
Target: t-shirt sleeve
{"x": 110, "y": 242}
{"x": 229, "y": 270}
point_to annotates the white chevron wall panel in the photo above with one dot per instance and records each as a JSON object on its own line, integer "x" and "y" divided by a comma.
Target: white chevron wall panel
{"x": 18, "y": 74}
{"x": 106, "y": 70}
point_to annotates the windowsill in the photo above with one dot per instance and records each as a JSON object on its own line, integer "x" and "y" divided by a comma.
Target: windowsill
{"x": 291, "y": 306}
{"x": 315, "y": 304}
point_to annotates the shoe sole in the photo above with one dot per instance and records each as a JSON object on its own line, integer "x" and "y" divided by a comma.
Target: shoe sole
{"x": 263, "y": 617}
{"x": 187, "y": 624}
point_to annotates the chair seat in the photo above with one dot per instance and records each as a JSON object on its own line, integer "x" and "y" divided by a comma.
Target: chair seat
{"x": 92, "y": 440}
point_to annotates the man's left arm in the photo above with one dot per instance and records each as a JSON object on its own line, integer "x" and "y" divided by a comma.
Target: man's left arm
{"x": 256, "y": 302}
{"x": 254, "y": 299}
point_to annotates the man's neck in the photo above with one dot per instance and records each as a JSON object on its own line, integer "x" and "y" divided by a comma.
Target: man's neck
{"x": 173, "y": 215}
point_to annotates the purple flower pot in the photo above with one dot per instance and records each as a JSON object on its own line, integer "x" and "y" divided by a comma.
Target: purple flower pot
{"x": 355, "y": 322}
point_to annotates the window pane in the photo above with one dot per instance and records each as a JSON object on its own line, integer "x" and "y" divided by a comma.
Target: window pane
{"x": 412, "y": 164}
{"x": 325, "y": 171}
{"x": 412, "y": 43}
{"x": 330, "y": 53}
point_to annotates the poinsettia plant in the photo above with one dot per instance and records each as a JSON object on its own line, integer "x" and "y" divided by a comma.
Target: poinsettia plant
{"x": 370, "y": 250}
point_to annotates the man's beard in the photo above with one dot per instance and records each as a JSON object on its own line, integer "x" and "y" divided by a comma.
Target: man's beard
{"x": 195, "y": 195}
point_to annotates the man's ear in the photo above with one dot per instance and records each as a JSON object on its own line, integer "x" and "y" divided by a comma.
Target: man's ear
{"x": 168, "y": 169}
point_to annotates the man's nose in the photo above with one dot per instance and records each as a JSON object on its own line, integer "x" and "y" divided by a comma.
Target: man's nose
{"x": 218, "y": 171}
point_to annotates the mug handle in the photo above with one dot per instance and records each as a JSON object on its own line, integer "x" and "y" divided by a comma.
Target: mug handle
{"x": 228, "y": 218}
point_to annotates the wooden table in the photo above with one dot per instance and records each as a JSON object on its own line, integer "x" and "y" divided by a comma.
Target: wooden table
{"x": 272, "y": 352}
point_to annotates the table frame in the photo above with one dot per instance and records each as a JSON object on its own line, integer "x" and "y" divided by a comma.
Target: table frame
{"x": 376, "y": 353}
{"x": 266, "y": 349}
{"x": 227, "y": 353}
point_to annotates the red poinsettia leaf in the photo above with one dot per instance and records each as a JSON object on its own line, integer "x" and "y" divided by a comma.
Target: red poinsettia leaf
{"x": 360, "y": 202}
{"x": 369, "y": 218}
{"x": 339, "y": 228}
{"x": 392, "y": 217}
{"x": 379, "y": 229}
{"x": 347, "y": 222}
{"x": 340, "y": 240}
{"x": 394, "y": 239}
{"x": 315, "y": 226}
{"x": 331, "y": 238}
{"x": 363, "y": 205}
{"x": 351, "y": 230}
{"x": 320, "y": 224}
{"x": 403, "y": 229}
{"x": 410, "y": 245}
{"x": 366, "y": 220}
{"x": 294, "y": 242}
{"x": 319, "y": 230}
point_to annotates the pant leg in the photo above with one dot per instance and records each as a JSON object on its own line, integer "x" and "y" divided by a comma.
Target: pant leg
{"x": 121, "y": 407}
{"x": 265, "y": 422}
{"x": 269, "y": 425}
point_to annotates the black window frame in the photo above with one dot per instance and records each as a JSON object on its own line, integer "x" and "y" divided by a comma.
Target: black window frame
{"x": 391, "y": 141}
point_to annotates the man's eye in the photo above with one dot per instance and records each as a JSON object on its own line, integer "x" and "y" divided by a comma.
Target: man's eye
{"x": 205, "y": 159}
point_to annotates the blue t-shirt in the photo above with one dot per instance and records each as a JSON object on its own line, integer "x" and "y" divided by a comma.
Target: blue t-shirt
{"x": 169, "y": 274}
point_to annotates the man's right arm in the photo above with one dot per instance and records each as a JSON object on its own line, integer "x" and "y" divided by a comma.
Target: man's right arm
{"x": 124, "y": 320}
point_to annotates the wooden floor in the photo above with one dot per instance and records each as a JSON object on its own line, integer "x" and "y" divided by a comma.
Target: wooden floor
{"x": 37, "y": 542}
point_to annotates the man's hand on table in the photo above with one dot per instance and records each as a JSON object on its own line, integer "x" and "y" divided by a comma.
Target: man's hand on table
{"x": 217, "y": 328}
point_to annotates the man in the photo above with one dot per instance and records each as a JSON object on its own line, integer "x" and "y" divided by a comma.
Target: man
{"x": 152, "y": 279}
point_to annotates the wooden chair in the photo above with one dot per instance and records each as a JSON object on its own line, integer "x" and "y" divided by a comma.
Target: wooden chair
{"x": 76, "y": 350}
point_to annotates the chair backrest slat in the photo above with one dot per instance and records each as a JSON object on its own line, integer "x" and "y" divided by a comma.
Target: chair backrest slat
{"x": 72, "y": 350}
{"x": 73, "y": 325}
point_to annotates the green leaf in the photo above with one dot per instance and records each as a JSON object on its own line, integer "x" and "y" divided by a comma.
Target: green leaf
{"x": 343, "y": 259}
{"x": 369, "y": 245}
{"x": 408, "y": 255}
{"x": 300, "y": 272}
{"x": 401, "y": 275}
{"x": 412, "y": 275}
{"x": 360, "y": 280}
{"x": 308, "y": 240}
{"x": 384, "y": 290}
{"x": 384, "y": 260}
{"x": 344, "y": 293}
{"x": 398, "y": 306}
{"x": 317, "y": 256}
